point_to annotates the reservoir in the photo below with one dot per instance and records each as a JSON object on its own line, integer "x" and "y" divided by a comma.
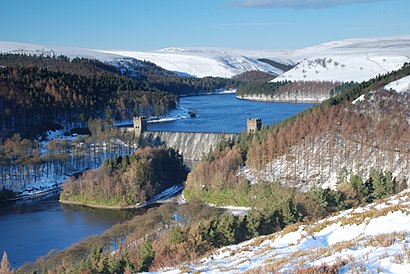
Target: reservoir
{"x": 33, "y": 229}
{"x": 225, "y": 113}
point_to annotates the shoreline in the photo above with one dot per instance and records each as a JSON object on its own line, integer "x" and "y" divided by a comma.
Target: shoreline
{"x": 261, "y": 99}
{"x": 33, "y": 196}
{"x": 65, "y": 202}
{"x": 159, "y": 198}
{"x": 228, "y": 91}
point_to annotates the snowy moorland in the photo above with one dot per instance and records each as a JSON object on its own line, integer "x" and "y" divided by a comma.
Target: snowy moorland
{"x": 342, "y": 61}
{"x": 348, "y": 60}
{"x": 197, "y": 62}
{"x": 371, "y": 239}
{"x": 204, "y": 62}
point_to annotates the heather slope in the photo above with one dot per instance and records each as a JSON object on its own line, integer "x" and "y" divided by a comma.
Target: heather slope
{"x": 372, "y": 238}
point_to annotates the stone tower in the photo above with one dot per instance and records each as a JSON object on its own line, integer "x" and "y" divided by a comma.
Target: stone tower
{"x": 140, "y": 125}
{"x": 253, "y": 125}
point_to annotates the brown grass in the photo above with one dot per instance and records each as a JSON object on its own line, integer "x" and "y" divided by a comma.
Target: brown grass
{"x": 386, "y": 239}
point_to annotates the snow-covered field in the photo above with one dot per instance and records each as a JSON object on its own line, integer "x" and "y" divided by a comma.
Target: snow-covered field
{"x": 348, "y": 60}
{"x": 344, "y": 60}
{"x": 370, "y": 239}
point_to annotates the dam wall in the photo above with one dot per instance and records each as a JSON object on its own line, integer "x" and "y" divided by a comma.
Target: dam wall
{"x": 192, "y": 145}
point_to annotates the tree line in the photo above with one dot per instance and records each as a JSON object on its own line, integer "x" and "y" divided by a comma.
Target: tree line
{"x": 291, "y": 91}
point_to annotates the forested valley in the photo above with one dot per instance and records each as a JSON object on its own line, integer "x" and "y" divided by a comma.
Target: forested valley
{"x": 41, "y": 95}
{"x": 284, "y": 173}
{"x": 364, "y": 145}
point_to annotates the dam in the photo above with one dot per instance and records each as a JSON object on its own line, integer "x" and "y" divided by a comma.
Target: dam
{"x": 192, "y": 145}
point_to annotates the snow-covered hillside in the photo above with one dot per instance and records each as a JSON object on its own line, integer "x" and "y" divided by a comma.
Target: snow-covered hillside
{"x": 401, "y": 85}
{"x": 198, "y": 62}
{"x": 345, "y": 60}
{"x": 202, "y": 62}
{"x": 370, "y": 239}
{"x": 48, "y": 50}
{"x": 348, "y": 60}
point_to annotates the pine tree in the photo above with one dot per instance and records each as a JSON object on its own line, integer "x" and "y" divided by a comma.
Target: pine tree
{"x": 5, "y": 266}
{"x": 147, "y": 256}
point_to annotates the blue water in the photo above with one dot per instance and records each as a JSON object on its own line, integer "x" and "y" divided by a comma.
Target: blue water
{"x": 226, "y": 113}
{"x": 33, "y": 229}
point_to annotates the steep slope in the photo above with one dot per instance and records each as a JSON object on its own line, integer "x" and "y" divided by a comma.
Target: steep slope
{"x": 374, "y": 238}
{"x": 356, "y": 138}
{"x": 316, "y": 147}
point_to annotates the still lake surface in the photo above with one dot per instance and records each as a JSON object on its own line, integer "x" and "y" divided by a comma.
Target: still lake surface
{"x": 226, "y": 113}
{"x": 32, "y": 229}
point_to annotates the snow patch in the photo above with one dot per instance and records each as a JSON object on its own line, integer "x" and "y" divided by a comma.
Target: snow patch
{"x": 356, "y": 243}
{"x": 401, "y": 85}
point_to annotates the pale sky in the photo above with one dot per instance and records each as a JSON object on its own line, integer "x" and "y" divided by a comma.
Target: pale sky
{"x": 156, "y": 24}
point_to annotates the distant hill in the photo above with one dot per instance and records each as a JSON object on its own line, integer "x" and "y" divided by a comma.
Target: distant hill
{"x": 337, "y": 61}
{"x": 348, "y": 60}
{"x": 194, "y": 62}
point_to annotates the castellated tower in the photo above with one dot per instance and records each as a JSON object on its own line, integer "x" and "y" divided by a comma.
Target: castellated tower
{"x": 140, "y": 125}
{"x": 253, "y": 125}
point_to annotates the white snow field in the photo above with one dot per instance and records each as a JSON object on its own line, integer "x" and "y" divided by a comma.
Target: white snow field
{"x": 202, "y": 62}
{"x": 370, "y": 239}
{"x": 198, "y": 62}
{"x": 401, "y": 85}
{"x": 344, "y": 60}
{"x": 348, "y": 60}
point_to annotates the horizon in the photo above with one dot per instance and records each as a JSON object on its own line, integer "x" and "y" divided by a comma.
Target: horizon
{"x": 231, "y": 24}
{"x": 203, "y": 47}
